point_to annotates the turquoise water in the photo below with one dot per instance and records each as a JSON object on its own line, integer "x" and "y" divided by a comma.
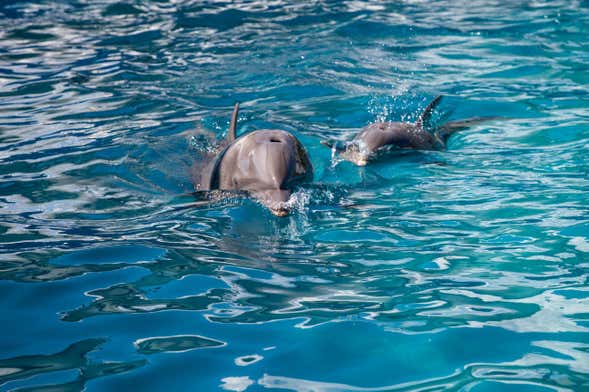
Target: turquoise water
{"x": 464, "y": 269}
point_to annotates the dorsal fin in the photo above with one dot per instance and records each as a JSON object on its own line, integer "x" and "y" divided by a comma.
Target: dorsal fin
{"x": 233, "y": 124}
{"x": 427, "y": 112}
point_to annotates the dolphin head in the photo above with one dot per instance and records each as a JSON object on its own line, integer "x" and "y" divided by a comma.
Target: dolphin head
{"x": 269, "y": 163}
{"x": 272, "y": 159}
{"x": 266, "y": 163}
{"x": 353, "y": 151}
{"x": 356, "y": 153}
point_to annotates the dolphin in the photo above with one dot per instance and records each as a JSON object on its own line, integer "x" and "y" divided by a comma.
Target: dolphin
{"x": 380, "y": 137}
{"x": 267, "y": 163}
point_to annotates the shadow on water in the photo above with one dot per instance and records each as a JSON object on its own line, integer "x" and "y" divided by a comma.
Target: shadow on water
{"x": 73, "y": 357}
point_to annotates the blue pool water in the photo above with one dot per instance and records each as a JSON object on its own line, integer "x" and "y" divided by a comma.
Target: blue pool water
{"x": 464, "y": 269}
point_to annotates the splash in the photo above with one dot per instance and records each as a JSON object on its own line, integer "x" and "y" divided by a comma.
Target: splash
{"x": 202, "y": 144}
{"x": 335, "y": 157}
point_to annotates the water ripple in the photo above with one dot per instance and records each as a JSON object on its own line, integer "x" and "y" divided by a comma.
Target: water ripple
{"x": 459, "y": 269}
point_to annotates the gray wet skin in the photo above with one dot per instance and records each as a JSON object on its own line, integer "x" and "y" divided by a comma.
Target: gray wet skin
{"x": 382, "y": 136}
{"x": 267, "y": 163}
{"x": 377, "y": 137}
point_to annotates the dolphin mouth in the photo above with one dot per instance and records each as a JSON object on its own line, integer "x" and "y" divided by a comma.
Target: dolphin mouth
{"x": 280, "y": 212}
{"x": 276, "y": 200}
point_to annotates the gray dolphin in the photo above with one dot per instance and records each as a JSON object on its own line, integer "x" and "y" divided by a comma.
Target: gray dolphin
{"x": 267, "y": 163}
{"x": 380, "y": 137}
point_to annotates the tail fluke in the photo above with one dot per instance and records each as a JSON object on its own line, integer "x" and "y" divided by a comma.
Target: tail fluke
{"x": 423, "y": 120}
{"x": 446, "y": 130}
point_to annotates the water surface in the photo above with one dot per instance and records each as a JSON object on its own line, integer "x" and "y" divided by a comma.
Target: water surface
{"x": 463, "y": 269}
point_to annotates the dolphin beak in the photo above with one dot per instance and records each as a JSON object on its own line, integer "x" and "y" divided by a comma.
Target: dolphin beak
{"x": 275, "y": 200}
{"x": 280, "y": 212}
{"x": 339, "y": 146}
{"x": 327, "y": 143}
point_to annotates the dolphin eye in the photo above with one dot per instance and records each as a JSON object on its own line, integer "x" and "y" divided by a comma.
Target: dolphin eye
{"x": 275, "y": 141}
